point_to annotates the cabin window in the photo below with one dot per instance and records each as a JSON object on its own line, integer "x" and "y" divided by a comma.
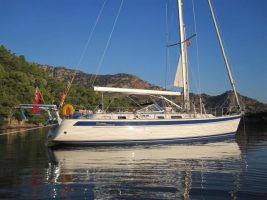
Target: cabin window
{"x": 160, "y": 117}
{"x": 176, "y": 117}
{"x": 105, "y": 117}
{"x": 145, "y": 115}
{"x": 121, "y": 117}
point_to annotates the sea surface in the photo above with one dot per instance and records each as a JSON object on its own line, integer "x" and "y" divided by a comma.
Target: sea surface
{"x": 227, "y": 169}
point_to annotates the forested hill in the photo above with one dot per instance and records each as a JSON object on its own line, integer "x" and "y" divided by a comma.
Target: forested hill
{"x": 227, "y": 99}
{"x": 81, "y": 78}
{"x": 19, "y": 78}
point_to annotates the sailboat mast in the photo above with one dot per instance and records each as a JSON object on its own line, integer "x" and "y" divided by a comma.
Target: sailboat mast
{"x": 224, "y": 54}
{"x": 183, "y": 57}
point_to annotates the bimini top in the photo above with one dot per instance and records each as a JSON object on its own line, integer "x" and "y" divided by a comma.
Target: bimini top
{"x": 136, "y": 91}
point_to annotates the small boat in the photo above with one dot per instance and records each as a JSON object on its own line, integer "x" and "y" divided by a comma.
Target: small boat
{"x": 162, "y": 121}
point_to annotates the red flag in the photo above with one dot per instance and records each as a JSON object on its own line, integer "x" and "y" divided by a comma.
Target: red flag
{"x": 37, "y": 97}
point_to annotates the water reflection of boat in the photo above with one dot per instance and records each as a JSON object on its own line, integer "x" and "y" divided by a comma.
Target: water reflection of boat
{"x": 164, "y": 171}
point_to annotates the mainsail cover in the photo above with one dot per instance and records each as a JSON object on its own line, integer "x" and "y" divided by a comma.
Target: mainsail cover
{"x": 178, "y": 81}
{"x": 136, "y": 91}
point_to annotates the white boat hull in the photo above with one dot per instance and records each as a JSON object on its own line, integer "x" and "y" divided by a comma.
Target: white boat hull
{"x": 86, "y": 131}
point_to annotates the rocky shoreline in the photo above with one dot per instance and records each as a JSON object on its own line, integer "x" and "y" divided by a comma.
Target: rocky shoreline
{"x": 255, "y": 121}
{"x": 16, "y": 124}
{"x": 256, "y": 118}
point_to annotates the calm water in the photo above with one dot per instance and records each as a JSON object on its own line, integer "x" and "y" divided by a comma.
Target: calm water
{"x": 229, "y": 169}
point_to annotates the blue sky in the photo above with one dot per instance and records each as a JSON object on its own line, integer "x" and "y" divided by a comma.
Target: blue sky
{"x": 54, "y": 32}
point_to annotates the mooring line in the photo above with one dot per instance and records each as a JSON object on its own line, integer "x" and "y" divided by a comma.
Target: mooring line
{"x": 29, "y": 129}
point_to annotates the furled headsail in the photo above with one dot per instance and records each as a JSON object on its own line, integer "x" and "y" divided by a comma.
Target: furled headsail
{"x": 178, "y": 81}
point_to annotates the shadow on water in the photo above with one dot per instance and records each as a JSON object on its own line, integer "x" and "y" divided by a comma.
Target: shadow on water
{"x": 252, "y": 131}
{"x": 228, "y": 169}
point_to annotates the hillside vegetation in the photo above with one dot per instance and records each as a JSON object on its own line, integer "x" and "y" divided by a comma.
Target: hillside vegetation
{"x": 19, "y": 78}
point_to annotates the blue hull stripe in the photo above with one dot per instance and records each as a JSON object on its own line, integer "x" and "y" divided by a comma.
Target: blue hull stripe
{"x": 151, "y": 122}
{"x": 150, "y": 141}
